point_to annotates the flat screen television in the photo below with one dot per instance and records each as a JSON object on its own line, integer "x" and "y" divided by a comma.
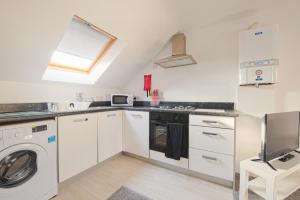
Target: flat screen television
{"x": 280, "y": 135}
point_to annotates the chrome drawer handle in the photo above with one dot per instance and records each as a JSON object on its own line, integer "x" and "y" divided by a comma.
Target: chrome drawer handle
{"x": 210, "y": 158}
{"x": 136, "y": 115}
{"x": 111, "y": 115}
{"x": 81, "y": 120}
{"x": 210, "y": 121}
{"x": 209, "y": 133}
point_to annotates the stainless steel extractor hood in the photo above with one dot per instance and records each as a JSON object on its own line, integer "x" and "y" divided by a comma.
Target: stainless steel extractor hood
{"x": 179, "y": 56}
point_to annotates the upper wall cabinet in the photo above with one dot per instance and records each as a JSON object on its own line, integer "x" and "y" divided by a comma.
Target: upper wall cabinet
{"x": 136, "y": 133}
{"x": 77, "y": 144}
{"x": 109, "y": 134}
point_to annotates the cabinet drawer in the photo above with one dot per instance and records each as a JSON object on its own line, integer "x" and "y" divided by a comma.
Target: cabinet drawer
{"x": 212, "y": 121}
{"x": 212, "y": 139}
{"x": 213, "y": 164}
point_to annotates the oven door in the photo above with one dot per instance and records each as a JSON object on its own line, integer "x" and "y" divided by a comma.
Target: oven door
{"x": 158, "y": 136}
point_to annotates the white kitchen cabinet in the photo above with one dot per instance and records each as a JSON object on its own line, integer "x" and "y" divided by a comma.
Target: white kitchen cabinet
{"x": 212, "y": 121}
{"x": 211, "y": 145}
{"x": 210, "y": 163}
{"x": 212, "y": 139}
{"x": 109, "y": 134}
{"x": 77, "y": 144}
{"x": 136, "y": 133}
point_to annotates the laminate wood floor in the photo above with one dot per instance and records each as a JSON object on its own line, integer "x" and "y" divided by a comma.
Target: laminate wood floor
{"x": 152, "y": 181}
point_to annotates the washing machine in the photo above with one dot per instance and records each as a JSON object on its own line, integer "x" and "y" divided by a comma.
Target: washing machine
{"x": 28, "y": 161}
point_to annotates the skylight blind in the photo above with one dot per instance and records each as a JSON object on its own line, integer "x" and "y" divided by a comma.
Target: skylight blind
{"x": 80, "y": 46}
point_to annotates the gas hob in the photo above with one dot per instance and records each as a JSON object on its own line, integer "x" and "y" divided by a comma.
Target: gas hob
{"x": 188, "y": 108}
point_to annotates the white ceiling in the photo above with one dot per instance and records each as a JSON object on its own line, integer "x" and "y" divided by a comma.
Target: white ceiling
{"x": 32, "y": 29}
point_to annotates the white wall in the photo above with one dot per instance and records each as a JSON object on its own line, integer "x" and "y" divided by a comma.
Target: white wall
{"x": 31, "y": 30}
{"x": 19, "y": 92}
{"x": 284, "y": 96}
{"x": 215, "y": 77}
{"x": 248, "y": 140}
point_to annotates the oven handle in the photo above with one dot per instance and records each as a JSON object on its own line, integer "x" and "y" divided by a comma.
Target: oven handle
{"x": 165, "y": 123}
{"x": 158, "y": 123}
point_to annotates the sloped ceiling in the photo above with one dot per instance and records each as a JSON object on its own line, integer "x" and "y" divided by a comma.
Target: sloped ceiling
{"x": 32, "y": 29}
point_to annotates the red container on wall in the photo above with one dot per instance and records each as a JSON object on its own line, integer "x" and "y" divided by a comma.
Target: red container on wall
{"x": 147, "y": 82}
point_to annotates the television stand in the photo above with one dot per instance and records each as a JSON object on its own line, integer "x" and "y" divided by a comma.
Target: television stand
{"x": 268, "y": 163}
{"x": 270, "y": 184}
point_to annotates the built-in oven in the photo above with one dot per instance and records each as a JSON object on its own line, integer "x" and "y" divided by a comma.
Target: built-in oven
{"x": 160, "y": 123}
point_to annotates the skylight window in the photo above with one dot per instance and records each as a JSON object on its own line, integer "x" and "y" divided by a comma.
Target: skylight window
{"x": 83, "y": 54}
{"x": 81, "y": 48}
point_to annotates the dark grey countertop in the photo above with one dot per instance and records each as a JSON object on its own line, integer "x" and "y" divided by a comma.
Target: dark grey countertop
{"x": 5, "y": 120}
{"x": 227, "y": 113}
{"x": 47, "y": 115}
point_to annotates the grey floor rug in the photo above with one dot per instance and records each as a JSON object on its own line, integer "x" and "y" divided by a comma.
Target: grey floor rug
{"x": 125, "y": 193}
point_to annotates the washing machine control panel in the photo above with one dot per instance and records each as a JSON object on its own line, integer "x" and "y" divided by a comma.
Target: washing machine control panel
{"x": 39, "y": 128}
{"x": 23, "y": 133}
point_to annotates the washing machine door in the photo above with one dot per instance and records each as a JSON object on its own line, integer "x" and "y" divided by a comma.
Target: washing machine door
{"x": 17, "y": 168}
{"x": 26, "y": 172}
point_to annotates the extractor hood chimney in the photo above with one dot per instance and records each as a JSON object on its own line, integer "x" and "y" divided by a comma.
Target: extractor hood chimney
{"x": 179, "y": 56}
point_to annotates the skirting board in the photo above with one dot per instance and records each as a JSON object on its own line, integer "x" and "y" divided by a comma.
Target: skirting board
{"x": 160, "y": 164}
{"x": 158, "y": 156}
{"x": 188, "y": 172}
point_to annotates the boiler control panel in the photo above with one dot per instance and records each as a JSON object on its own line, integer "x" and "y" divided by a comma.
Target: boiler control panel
{"x": 258, "y": 72}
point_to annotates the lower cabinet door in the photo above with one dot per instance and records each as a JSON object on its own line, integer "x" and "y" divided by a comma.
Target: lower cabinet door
{"x": 213, "y": 164}
{"x": 77, "y": 144}
{"x": 109, "y": 134}
{"x": 136, "y": 133}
